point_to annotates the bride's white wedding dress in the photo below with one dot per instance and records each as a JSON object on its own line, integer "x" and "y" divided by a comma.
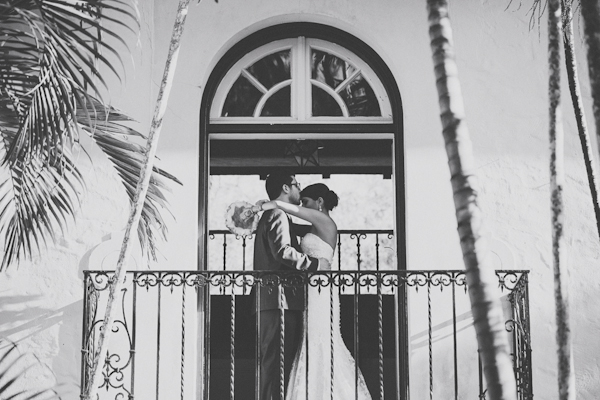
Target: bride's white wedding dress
{"x": 316, "y": 352}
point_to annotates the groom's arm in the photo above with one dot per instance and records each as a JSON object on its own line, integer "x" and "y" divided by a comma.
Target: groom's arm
{"x": 280, "y": 243}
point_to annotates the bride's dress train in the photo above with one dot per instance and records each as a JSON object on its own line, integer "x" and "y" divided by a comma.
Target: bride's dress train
{"x": 316, "y": 352}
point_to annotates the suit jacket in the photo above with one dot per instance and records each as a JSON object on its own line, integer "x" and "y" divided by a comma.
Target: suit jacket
{"x": 276, "y": 248}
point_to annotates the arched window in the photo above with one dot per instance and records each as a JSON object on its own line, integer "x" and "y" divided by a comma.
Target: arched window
{"x": 301, "y": 80}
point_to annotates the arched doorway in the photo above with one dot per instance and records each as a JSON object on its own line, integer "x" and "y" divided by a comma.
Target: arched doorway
{"x": 297, "y": 90}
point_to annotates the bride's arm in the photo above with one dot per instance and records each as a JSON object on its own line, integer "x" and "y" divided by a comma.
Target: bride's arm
{"x": 317, "y": 218}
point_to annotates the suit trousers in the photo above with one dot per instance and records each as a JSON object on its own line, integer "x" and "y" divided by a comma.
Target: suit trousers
{"x": 270, "y": 349}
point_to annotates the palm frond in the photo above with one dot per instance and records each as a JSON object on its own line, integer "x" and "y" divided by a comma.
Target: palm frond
{"x": 60, "y": 44}
{"x": 127, "y": 156}
{"x": 14, "y": 367}
{"x": 51, "y": 52}
{"x": 37, "y": 200}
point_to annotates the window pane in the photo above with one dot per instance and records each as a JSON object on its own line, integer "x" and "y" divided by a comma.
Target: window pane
{"x": 329, "y": 69}
{"x": 278, "y": 104}
{"x": 272, "y": 69}
{"x": 241, "y": 99}
{"x": 360, "y": 99}
{"x": 323, "y": 105}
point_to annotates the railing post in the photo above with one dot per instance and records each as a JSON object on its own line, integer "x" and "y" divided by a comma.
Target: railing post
{"x": 403, "y": 344}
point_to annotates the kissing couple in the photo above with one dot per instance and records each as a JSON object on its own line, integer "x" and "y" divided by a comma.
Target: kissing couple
{"x": 314, "y": 353}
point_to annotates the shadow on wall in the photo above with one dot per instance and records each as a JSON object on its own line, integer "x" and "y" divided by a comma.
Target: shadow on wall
{"x": 29, "y": 322}
{"x": 440, "y": 331}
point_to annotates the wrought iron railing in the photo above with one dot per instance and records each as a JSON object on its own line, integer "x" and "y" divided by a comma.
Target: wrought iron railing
{"x": 192, "y": 335}
{"x": 356, "y": 249}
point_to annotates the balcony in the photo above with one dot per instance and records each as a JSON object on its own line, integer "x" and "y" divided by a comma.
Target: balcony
{"x": 192, "y": 334}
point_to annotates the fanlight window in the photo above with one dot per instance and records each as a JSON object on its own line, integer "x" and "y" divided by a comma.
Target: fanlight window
{"x": 300, "y": 79}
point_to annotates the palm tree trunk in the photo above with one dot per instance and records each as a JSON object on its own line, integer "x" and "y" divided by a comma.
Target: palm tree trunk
{"x": 590, "y": 12}
{"x": 566, "y": 379}
{"x": 584, "y": 136}
{"x": 138, "y": 202}
{"x": 481, "y": 279}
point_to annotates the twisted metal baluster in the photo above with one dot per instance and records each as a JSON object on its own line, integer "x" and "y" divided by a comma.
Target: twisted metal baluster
{"x": 305, "y": 341}
{"x": 331, "y": 321}
{"x": 207, "y": 355}
{"x": 158, "y": 340}
{"x": 182, "y": 337}
{"x": 232, "y": 351}
{"x": 258, "y": 338}
{"x": 455, "y": 344}
{"x": 430, "y": 335}
{"x": 380, "y": 332}
{"x": 356, "y": 291}
{"x": 281, "y": 345}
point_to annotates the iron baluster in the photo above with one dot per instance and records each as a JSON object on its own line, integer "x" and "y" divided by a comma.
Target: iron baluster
{"x": 224, "y": 251}
{"x": 331, "y": 322}
{"x": 257, "y": 287}
{"x": 380, "y": 333}
{"x": 305, "y": 328}
{"x": 232, "y": 348}
{"x": 377, "y": 252}
{"x": 207, "y": 353}
{"x": 182, "y": 339}
{"x": 430, "y": 337}
{"x": 281, "y": 344}
{"x": 158, "y": 341}
{"x": 339, "y": 246}
{"x": 356, "y": 290}
{"x": 243, "y": 253}
{"x": 454, "y": 337}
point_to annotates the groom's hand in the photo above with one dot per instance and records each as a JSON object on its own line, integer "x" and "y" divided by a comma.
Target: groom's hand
{"x": 324, "y": 264}
{"x": 318, "y": 264}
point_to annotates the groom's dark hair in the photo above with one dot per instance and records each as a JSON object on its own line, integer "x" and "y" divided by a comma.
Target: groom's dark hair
{"x": 275, "y": 181}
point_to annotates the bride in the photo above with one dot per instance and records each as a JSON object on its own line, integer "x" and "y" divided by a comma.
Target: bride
{"x": 323, "y": 352}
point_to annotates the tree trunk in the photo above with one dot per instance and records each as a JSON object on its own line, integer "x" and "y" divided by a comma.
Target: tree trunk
{"x": 481, "y": 279}
{"x": 566, "y": 378}
{"x": 584, "y": 137}
{"x": 590, "y": 12}
{"x": 118, "y": 279}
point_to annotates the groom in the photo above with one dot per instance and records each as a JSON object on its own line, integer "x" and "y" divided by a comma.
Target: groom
{"x": 276, "y": 249}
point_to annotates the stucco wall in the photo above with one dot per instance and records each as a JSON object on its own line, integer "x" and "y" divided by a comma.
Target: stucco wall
{"x": 502, "y": 65}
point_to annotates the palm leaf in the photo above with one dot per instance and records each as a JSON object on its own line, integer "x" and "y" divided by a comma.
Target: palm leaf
{"x": 50, "y": 55}
{"x": 14, "y": 367}
{"x": 37, "y": 200}
{"x": 115, "y": 140}
{"x": 52, "y": 40}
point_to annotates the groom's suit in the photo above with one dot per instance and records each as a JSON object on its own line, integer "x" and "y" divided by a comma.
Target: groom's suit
{"x": 276, "y": 248}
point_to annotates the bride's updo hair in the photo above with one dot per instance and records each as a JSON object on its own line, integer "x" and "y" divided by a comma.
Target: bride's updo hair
{"x": 330, "y": 199}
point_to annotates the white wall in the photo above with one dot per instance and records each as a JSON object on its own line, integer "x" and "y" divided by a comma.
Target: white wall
{"x": 502, "y": 65}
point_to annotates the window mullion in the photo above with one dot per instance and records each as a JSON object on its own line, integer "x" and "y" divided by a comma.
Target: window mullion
{"x": 300, "y": 72}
